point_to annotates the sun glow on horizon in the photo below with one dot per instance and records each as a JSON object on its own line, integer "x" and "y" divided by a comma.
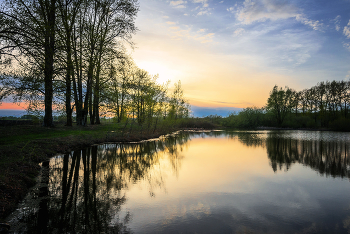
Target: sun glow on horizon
{"x": 13, "y": 106}
{"x": 164, "y": 70}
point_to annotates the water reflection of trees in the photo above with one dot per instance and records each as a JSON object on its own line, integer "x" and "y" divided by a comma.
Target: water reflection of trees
{"x": 82, "y": 192}
{"x": 251, "y": 139}
{"x": 326, "y": 157}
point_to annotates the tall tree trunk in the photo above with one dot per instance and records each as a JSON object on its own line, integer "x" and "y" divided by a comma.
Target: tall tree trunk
{"x": 49, "y": 59}
{"x": 96, "y": 101}
{"x": 69, "y": 80}
{"x": 91, "y": 113}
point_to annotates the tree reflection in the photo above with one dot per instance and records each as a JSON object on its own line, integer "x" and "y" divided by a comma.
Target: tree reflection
{"x": 326, "y": 157}
{"x": 82, "y": 192}
{"x": 251, "y": 139}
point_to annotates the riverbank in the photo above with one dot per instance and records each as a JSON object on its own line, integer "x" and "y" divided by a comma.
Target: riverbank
{"x": 22, "y": 148}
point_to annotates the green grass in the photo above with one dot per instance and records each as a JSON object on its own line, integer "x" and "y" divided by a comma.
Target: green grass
{"x": 17, "y": 134}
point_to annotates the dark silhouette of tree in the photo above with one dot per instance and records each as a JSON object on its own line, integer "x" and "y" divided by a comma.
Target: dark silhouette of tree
{"x": 62, "y": 47}
{"x": 29, "y": 36}
{"x": 280, "y": 103}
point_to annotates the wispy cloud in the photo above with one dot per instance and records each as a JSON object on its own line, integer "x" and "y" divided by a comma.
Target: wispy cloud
{"x": 346, "y": 30}
{"x": 238, "y": 32}
{"x": 178, "y": 4}
{"x": 315, "y": 24}
{"x": 206, "y": 38}
{"x": 231, "y": 9}
{"x": 346, "y": 45}
{"x": 336, "y": 21}
{"x": 262, "y": 10}
{"x": 204, "y": 12}
{"x": 186, "y": 32}
{"x": 203, "y": 2}
{"x": 274, "y": 47}
{"x": 204, "y": 8}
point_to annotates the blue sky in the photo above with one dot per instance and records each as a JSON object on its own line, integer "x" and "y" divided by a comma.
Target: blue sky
{"x": 232, "y": 53}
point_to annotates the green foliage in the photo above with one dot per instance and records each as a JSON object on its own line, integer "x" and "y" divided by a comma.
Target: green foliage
{"x": 341, "y": 124}
{"x": 299, "y": 121}
{"x": 280, "y": 103}
{"x": 250, "y": 118}
{"x": 178, "y": 106}
{"x": 198, "y": 123}
{"x": 214, "y": 119}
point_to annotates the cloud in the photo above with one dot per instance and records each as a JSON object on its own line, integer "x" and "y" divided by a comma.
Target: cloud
{"x": 346, "y": 30}
{"x": 205, "y": 39}
{"x": 275, "y": 47}
{"x": 178, "y": 33}
{"x": 170, "y": 23}
{"x": 238, "y": 32}
{"x": 315, "y": 24}
{"x": 204, "y": 9}
{"x": 178, "y": 4}
{"x": 204, "y": 2}
{"x": 337, "y": 22}
{"x": 346, "y": 45}
{"x": 231, "y": 9}
{"x": 262, "y": 10}
{"x": 205, "y": 12}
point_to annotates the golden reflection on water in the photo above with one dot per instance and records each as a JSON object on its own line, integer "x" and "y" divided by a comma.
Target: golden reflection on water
{"x": 207, "y": 165}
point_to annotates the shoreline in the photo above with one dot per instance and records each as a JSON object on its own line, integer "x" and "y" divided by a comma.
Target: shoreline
{"x": 301, "y": 129}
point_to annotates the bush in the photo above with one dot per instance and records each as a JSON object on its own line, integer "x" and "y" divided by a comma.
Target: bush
{"x": 196, "y": 123}
{"x": 251, "y": 117}
{"x": 341, "y": 124}
{"x": 299, "y": 121}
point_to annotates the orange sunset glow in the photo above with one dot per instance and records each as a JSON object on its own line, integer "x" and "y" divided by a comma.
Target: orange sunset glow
{"x": 13, "y": 106}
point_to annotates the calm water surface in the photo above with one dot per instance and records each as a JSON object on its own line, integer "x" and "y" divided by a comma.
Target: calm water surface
{"x": 209, "y": 182}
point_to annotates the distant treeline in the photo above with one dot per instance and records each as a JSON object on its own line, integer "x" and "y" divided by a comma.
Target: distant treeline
{"x": 325, "y": 105}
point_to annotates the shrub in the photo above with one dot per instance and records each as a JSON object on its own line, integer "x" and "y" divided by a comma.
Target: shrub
{"x": 341, "y": 124}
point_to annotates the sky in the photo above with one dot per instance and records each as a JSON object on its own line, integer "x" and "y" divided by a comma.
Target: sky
{"x": 229, "y": 54}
